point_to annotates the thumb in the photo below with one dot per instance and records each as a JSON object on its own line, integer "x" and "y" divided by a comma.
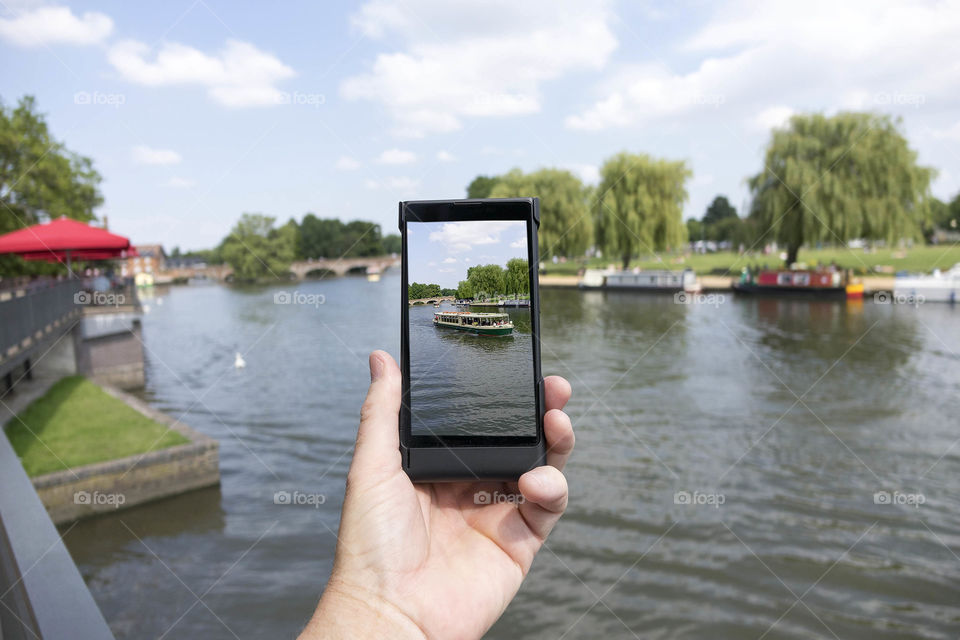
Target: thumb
{"x": 378, "y": 438}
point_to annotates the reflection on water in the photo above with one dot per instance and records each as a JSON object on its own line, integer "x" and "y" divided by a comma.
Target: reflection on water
{"x": 467, "y": 384}
{"x": 797, "y": 413}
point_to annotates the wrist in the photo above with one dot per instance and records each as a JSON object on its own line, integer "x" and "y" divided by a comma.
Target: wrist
{"x": 349, "y": 612}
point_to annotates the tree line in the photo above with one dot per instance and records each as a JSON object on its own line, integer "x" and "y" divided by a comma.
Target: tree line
{"x": 484, "y": 281}
{"x": 824, "y": 179}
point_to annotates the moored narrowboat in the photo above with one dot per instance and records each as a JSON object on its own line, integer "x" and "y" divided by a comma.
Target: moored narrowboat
{"x": 484, "y": 324}
{"x": 796, "y": 282}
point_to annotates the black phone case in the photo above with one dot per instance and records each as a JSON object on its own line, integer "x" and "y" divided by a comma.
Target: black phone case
{"x": 471, "y": 462}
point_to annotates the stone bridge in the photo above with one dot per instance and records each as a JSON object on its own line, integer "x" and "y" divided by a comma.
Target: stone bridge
{"x": 432, "y": 300}
{"x": 300, "y": 270}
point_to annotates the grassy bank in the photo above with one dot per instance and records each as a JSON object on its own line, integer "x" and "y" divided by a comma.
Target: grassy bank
{"x": 919, "y": 259}
{"x": 77, "y": 423}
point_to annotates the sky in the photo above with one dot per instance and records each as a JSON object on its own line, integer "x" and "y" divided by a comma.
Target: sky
{"x": 196, "y": 111}
{"x": 441, "y": 252}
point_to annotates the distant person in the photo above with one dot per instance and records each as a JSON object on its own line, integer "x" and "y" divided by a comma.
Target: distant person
{"x": 425, "y": 560}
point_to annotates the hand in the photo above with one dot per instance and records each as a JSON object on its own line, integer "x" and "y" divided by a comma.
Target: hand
{"x": 423, "y": 560}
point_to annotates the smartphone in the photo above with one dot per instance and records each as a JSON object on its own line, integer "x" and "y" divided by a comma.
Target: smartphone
{"x": 473, "y": 399}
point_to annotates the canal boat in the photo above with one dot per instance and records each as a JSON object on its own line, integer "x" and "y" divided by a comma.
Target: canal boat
{"x": 484, "y": 324}
{"x": 655, "y": 280}
{"x": 794, "y": 282}
{"x": 941, "y": 286}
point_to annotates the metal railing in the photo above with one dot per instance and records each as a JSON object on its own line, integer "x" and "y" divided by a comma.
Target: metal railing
{"x": 43, "y": 595}
{"x": 28, "y": 313}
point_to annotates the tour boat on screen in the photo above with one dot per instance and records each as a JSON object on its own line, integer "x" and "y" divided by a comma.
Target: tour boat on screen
{"x": 484, "y": 324}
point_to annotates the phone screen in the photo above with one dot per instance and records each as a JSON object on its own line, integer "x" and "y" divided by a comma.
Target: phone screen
{"x": 471, "y": 340}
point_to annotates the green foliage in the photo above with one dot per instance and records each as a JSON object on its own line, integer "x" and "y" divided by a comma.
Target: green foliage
{"x": 639, "y": 205}
{"x": 331, "y": 238}
{"x": 417, "y": 291}
{"x": 516, "y": 278}
{"x": 720, "y": 209}
{"x": 695, "y": 230}
{"x": 832, "y": 179}
{"x": 40, "y": 178}
{"x": 465, "y": 290}
{"x": 392, "y": 243}
{"x": 565, "y": 225}
{"x": 257, "y": 251}
{"x": 482, "y": 186}
{"x": 77, "y": 423}
{"x": 487, "y": 280}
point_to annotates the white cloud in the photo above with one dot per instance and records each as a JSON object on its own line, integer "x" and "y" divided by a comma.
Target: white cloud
{"x": 143, "y": 154}
{"x": 55, "y": 25}
{"x": 449, "y": 260}
{"x": 461, "y": 236}
{"x": 397, "y": 156}
{"x": 770, "y": 118}
{"x": 518, "y": 243}
{"x": 445, "y": 156}
{"x": 817, "y": 55}
{"x": 180, "y": 183}
{"x": 482, "y": 60}
{"x": 951, "y": 133}
{"x": 346, "y": 163}
{"x": 239, "y": 75}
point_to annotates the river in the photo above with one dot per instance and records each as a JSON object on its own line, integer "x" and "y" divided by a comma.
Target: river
{"x": 744, "y": 468}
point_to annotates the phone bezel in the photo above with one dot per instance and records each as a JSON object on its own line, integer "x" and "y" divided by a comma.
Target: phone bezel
{"x": 521, "y": 209}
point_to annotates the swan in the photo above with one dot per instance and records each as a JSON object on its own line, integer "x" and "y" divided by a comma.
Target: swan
{"x": 239, "y": 362}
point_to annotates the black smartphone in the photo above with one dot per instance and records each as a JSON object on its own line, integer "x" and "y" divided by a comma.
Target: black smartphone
{"x": 470, "y": 340}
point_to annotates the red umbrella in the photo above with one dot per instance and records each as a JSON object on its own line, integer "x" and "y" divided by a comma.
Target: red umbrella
{"x": 65, "y": 239}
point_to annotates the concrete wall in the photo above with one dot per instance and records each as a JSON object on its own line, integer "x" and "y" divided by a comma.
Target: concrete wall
{"x": 118, "y": 484}
{"x": 109, "y": 349}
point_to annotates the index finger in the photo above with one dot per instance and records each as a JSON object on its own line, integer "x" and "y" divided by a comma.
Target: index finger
{"x": 556, "y": 391}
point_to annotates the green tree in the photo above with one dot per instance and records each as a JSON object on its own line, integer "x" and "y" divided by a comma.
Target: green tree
{"x": 719, "y": 209}
{"x": 487, "y": 280}
{"x": 256, "y": 250}
{"x": 833, "y": 179}
{"x": 694, "y": 230}
{"x": 565, "y": 225}
{"x": 39, "y": 178}
{"x": 290, "y": 233}
{"x": 639, "y": 205}
{"x": 392, "y": 243}
{"x": 465, "y": 290}
{"x": 482, "y": 186}
{"x": 516, "y": 278}
{"x": 361, "y": 239}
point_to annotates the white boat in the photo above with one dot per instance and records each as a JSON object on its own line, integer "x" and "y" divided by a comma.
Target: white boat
{"x": 941, "y": 286}
{"x": 642, "y": 280}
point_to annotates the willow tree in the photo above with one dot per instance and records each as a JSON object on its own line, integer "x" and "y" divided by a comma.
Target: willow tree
{"x": 565, "y": 225}
{"x": 639, "y": 205}
{"x": 833, "y": 179}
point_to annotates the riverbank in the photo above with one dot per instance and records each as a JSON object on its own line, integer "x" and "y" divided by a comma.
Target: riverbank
{"x": 886, "y": 261}
{"x": 871, "y": 284}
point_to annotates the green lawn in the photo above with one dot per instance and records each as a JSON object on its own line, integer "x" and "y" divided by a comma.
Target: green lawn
{"x": 77, "y": 423}
{"x": 919, "y": 259}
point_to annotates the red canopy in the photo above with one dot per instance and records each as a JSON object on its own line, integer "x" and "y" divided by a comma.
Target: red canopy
{"x": 63, "y": 239}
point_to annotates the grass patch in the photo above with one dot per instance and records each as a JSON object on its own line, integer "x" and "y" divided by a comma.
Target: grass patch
{"x": 921, "y": 259}
{"x": 77, "y": 423}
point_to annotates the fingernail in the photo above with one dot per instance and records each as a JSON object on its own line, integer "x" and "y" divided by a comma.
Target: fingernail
{"x": 376, "y": 367}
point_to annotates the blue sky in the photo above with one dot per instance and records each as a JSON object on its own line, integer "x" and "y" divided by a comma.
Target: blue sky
{"x": 441, "y": 252}
{"x": 199, "y": 110}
